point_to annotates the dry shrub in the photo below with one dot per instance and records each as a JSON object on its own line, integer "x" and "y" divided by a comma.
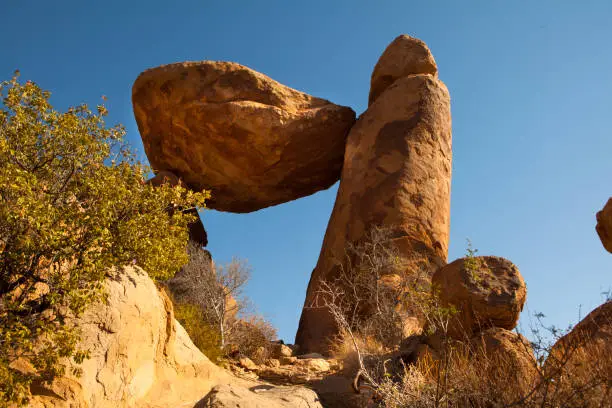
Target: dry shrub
{"x": 252, "y": 336}
{"x": 471, "y": 373}
{"x": 344, "y": 350}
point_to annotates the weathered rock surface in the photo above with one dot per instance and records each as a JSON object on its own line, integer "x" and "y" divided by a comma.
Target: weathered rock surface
{"x": 403, "y": 57}
{"x": 140, "y": 356}
{"x": 509, "y": 358}
{"x": 197, "y": 232}
{"x": 396, "y": 174}
{"x": 487, "y": 291}
{"x": 262, "y": 396}
{"x": 249, "y": 139}
{"x": 604, "y": 225}
{"x": 587, "y": 348}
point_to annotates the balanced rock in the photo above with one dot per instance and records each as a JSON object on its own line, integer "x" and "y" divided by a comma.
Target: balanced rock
{"x": 604, "y": 225}
{"x": 396, "y": 175}
{"x": 487, "y": 291}
{"x": 404, "y": 56}
{"x": 250, "y": 140}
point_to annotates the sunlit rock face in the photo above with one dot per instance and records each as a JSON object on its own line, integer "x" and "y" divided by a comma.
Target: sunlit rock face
{"x": 250, "y": 140}
{"x": 604, "y": 225}
{"x": 396, "y": 174}
{"x": 255, "y": 143}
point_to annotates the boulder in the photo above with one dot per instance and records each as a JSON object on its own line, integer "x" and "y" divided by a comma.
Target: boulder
{"x": 487, "y": 291}
{"x": 263, "y": 396}
{"x": 396, "y": 175}
{"x": 250, "y": 140}
{"x": 506, "y": 357}
{"x": 247, "y": 363}
{"x": 403, "y": 57}
{"x": 586, "y": 351}
{"x": 604, "y": 225}
{"x": 282, "y": 350}
{"x": 315, "y": 364}
{"x": 141, "y": 357}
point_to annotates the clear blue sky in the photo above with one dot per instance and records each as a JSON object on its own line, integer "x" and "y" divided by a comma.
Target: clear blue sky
{"x": 531, "y": 87}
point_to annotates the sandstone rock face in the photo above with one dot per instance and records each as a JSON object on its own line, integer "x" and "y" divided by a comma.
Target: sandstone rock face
{"x": 141, "y": 357}
{"x": 487, "y": 291}
{"x": 229, "y": 396}
{"x": 604, "y": 225}
{"x": 250, "y": 140}
{"x": 404, "y": 56}
{"x": 396, "y": 174}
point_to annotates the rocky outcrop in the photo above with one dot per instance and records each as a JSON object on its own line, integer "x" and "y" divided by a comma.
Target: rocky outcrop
{"x": 604, "y": 225}
{"x": 403, "y": 57}
{"x": 140, "y": 356}
{"x": 249, "y": 139}
{"x": 487, "y": 291}
{"x": 396, "y": 174}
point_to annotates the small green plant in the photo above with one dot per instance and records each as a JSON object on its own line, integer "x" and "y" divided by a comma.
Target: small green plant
{"x": 474, "y": 265}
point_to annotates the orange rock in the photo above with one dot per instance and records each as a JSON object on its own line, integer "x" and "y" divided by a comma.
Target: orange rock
{"x": 486, "y": 291}
{"x": 604, "y": 225}
{"x": 396, "y": 174}
{"x": 249, "y": 139}
{"x": 509, "y": 357}
{"x": 404, "y": 56}
{"x": 587, "y": 349}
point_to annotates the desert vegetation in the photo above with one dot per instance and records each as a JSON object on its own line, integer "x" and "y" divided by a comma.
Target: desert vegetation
{"x": 74, "y": 205}
{"x": 211, "y": 304}
{"x": 429, "y": 365}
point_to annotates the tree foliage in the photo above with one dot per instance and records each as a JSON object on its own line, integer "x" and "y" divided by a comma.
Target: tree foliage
{"x": 73, "y": 204}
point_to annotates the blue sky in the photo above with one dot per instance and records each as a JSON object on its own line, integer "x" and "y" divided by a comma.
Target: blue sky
{"x": 530, "y": 83}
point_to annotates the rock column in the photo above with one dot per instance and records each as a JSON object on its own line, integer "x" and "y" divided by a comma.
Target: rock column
{"x": 396, "y": 174}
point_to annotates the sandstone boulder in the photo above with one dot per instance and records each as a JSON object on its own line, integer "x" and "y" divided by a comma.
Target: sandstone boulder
{"x": 586, "y": 351}
{"x": 404, "y": 56}
{"x": 282, "y": 350}
{"x": 506, "y": 357}
{"x": 396, "y": 174}
{"x": 141, "y": 357}
{"x": 604, "y": 225}
{"x": 249, "y": 139}
{"x": 487, "y": 291}
{"x": 229, "y": 396}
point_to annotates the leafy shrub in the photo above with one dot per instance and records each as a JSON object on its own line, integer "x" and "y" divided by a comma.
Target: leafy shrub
{"x": 204, "y": 336}
{"x": 73, "y": 205}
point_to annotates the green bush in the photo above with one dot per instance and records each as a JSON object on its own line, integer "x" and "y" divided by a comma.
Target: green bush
{"x": 73, "y": 204}
{"x": 203, "y": 335}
